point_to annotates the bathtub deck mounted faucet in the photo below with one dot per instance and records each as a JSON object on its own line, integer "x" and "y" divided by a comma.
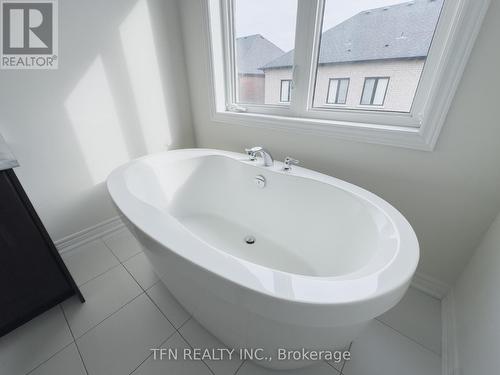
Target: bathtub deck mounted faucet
{"x": 266, "y": 155}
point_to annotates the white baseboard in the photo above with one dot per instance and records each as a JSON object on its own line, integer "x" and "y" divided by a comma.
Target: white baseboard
{"x": 450, "y": 360}
{"x": 89, "y": 234}
{"x": 429, "y": 285}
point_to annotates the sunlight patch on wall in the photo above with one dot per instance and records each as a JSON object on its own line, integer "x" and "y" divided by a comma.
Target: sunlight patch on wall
{"x": 140, "y": 54}
{"x": 92, "y": 112}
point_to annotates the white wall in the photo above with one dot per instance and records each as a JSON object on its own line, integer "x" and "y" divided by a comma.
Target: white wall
{"x": 120, "y": 92}
{"x": 477, "y": 308}
{"x": 450, "y": 196}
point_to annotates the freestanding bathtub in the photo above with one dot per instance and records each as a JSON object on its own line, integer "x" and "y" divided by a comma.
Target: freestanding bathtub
{"x": 327, "y": 256}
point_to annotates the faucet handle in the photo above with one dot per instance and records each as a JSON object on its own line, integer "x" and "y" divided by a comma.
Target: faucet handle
{"x": 288, "y": 163}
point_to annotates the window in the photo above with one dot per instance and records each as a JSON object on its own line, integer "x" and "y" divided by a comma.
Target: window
{"x": 258, "y": 40}
{"x": 337, "y": 91}
{"x": 374, "y": 90}
{"x": 380, "y": 71}
{"x": 285, "y": 88}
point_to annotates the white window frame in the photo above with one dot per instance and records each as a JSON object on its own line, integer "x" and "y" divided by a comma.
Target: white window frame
{"x": 457, "y": 29}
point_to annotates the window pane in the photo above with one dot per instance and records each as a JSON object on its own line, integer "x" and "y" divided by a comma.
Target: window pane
{"x": 332, "y": 91}
{"x": 366, "y": 99}
{"x": 285, "y": 91}
{"x": 380, "y": 91}
{"x": 264, "y": 38}
{"x": 375, "y": 38}
{"x": 344, "y": 84}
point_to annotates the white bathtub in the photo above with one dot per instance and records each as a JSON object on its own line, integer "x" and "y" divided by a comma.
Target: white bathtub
{"x": 328, "y": 256}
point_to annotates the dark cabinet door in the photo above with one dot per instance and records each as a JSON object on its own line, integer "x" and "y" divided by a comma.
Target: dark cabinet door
{"x": 33, "y": 277}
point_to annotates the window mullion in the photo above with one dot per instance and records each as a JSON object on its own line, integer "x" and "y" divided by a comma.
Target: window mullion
{"x": 308, "y": 23}
{"x": 374, "y": 91}
{"x": 338, "y": 90}
{"x": 229, "y": 53}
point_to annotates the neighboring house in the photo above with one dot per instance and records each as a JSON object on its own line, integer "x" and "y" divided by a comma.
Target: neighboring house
{"x": 372, "y": 60}
{"x": 253, "y": 52}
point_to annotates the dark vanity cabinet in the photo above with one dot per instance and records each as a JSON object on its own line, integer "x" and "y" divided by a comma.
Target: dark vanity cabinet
{"x": 33, "y": 277}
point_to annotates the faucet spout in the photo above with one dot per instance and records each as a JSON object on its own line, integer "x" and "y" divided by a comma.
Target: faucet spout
{"x": 258, "y": 150}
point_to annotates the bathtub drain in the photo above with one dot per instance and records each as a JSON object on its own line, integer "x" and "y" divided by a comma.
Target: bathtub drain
{"x": 250, "y": 240}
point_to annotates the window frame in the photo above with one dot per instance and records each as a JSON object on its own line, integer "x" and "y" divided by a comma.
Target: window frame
{"x": 457, "y": 29}
{"x": 289, "y": 90}
{"x": 372, "y": 98}
{"x": 337, "y": 93}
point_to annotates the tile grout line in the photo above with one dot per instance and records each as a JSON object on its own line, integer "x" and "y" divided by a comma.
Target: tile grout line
{"x": 116, "y": 256}
{"x": 409, "y": 338}
{"x": 191, "y": 346}
{"x": 74, "y": 340}
{"x": 240, "y": 366}
{"x": 337, "y": 372}
{"x": 102, "y": 273}
{"x": 183, "y": 324}
{"x": 165, "y": 315}
{"x": 158, "y": 307}
{"x": 114, "y": 312}
{"x": 110, "y": 315}
{"x": 187, "y": 342}
{"x": 345, "y": 362}
{"x": 137, "y": 282}
{"x": 52, "y": 356}
{"x": 150, "y": 354}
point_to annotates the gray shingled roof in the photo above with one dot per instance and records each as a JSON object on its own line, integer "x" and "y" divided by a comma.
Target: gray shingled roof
{"x": 253, "y": 52}
{"x": 398, "y": 31}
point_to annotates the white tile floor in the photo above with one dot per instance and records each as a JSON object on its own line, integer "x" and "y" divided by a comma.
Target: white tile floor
{"x": 128, "y": 311}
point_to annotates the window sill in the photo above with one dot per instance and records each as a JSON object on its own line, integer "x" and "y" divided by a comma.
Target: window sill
{"x": 405, "y": 137}
{"x": 333, "y": 105}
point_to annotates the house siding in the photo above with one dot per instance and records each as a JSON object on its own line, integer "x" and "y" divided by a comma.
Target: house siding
{"x": 273, "y": 84}
{"x": 251, "y": 88}
{"x": 404, "y": 76}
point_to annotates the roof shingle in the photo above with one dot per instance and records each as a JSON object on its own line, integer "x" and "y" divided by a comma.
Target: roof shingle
{"x": 254, "y": 51}
{"x": 398, "y": 31}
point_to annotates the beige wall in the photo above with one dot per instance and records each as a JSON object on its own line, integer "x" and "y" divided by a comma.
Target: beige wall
{"x": 450, "y": 195}
{"x": 404, "y": 76}
{"x": 273, "y": 84}
{"x": 120, "y": 92}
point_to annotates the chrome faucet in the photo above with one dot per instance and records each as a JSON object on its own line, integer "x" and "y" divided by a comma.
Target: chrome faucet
{"x": 266, "y": 156}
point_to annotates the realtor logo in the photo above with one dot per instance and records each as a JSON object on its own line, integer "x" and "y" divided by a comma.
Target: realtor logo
{"x": 29, "y": 34}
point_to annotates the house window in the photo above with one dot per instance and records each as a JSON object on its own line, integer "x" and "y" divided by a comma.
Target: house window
{"x": 275, "y": 71}
{"x": 337, "y": 91}
{"x": 374, "y": 90}
{"x": 285, "y": 88}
